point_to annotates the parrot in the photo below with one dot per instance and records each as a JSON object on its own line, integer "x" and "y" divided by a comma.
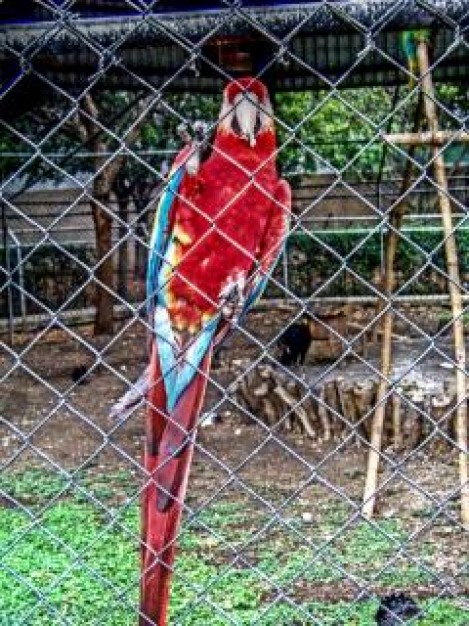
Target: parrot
{"x": 409, "y": 42}
{"x": 218, "y": 231}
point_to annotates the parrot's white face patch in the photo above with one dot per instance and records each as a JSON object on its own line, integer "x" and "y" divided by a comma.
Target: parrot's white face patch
{"x": 246, "y": 117}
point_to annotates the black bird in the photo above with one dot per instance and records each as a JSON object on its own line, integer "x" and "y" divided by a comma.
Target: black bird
{"x": 395, "y": 609}
{"x": 294, "y": 343}
{"x": 79, "y": 374}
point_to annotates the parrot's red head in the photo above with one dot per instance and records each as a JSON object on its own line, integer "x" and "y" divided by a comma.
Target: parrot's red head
{"x": 246, "y": 111}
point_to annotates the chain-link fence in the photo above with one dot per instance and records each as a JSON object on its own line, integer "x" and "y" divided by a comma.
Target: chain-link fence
{"x": 329, "y": 478}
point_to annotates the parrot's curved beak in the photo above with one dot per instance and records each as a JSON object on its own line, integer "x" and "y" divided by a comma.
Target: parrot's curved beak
{"x": 246, "y": 116}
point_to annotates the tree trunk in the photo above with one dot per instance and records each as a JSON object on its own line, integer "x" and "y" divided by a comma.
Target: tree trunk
{"x": 123, "y": 254}
{"x": 100, "y": 204}
{"x": 104, "y": 271}
{"x": 140, "y": 249}
{"x": 122, "y": 188}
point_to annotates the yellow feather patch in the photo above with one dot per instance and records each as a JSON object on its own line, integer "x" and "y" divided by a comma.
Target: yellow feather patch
{"x": 206, "y": 317}
{"x": 182, "y": 236}
{"x": 180, "y": 324}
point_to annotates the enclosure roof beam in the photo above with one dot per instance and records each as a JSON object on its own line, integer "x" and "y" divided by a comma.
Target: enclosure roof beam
{"x": 315, "y": 45}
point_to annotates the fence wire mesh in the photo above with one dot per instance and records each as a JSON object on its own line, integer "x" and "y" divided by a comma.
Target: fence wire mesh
{"x": 329, "y": 480}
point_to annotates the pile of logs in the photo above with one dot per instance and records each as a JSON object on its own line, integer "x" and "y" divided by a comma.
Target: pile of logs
{"x": 338, "y": 408}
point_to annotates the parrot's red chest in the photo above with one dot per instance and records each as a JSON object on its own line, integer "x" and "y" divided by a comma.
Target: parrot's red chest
{"x": 220, "y": 218}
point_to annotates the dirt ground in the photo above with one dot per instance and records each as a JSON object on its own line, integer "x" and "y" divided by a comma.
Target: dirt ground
{"x": 49, "y": 421}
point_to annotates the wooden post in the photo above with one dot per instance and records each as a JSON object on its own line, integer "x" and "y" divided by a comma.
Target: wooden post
{"x": 376, "y": 435}
{"x": 453, "y": 277}
{"x": 369, "y": 496}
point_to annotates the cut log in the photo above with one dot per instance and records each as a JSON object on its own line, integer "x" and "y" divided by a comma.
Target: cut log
{"x": 396, "y": 421}
{"x": 294, "y": 404}
{"x": 340, "y": 408}
{"x": 323, "y": 414}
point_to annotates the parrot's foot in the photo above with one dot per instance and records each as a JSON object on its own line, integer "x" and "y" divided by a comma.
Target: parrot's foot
{"x": 183, "y": 133}
{"x": 232, "y": 299}
{"x": 200, "y": 130}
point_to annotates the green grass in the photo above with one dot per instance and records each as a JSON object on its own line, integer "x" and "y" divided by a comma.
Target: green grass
{"x": 446, "y": 316}
{"x": 85, "y": 563}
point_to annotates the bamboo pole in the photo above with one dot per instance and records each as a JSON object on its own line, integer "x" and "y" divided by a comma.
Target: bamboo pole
{"x": 428, "y": 138}
{"x": 453, "y": 279}
{"x": 376, "y": 434}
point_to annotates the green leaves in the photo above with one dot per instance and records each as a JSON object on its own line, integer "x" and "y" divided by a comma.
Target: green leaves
{"x": 311, "y": 262}
{"x": 73, "y": 561}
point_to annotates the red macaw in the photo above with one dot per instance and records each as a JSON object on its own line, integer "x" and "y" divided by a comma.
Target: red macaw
{"x": 219, "y": 229}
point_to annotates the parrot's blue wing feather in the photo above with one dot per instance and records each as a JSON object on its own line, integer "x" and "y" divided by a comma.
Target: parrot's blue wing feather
{"x": 159, "y": 236}
{"x": 192, "y": 358}
{"x": 177, "y": 369}
{"x": 161, "y": 240}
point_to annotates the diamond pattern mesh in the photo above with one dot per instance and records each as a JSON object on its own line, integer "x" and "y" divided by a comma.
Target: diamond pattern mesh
{"x": 317, "y": 487}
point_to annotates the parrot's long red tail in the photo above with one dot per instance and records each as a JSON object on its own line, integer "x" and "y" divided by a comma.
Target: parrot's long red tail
{"x": 163, "y": 495}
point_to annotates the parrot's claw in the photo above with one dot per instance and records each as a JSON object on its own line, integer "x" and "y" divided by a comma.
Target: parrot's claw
{"x": 200, "y": 130}
{"x": 183, "y": 132}
{"x": 232, "y": 301}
